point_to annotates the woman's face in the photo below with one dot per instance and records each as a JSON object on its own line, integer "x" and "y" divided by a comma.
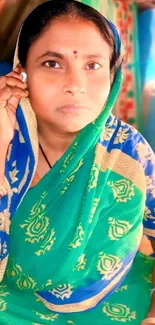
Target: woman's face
{"x": 69, "y": 65}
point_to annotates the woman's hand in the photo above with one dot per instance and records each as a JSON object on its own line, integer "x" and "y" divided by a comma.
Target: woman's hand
{"x": 12, "y": 89}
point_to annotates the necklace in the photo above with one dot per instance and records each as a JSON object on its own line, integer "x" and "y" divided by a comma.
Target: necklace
{"x": 45, "y": 156}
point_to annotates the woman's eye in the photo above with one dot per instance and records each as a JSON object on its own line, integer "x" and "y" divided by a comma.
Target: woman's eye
{"x": 52, "y": 64}
{"x": 93, "y": 66}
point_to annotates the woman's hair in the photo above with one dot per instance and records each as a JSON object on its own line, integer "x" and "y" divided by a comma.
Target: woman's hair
{"x": 42, "y": 16}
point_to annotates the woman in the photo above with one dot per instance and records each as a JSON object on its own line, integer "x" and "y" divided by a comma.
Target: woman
{"x": 75, "y": 179}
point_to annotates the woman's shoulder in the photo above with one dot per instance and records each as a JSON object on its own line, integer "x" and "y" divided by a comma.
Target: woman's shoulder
{"x": 119, "y": 127}
{"x": 118, "y": 135}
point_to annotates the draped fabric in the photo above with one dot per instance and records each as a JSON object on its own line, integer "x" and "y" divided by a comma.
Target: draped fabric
{"x": 69, "y": 245}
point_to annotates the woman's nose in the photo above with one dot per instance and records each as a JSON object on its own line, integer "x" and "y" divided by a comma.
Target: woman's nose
{"x": 74, "y": 84}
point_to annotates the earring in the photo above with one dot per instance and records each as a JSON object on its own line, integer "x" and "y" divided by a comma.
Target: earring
{"x": 24, "y": 75}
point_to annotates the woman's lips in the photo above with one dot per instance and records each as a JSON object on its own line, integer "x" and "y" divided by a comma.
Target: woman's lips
{"x": 71, "y": 108}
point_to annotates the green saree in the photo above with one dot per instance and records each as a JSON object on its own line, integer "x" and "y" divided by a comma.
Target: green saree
{"x": 69, "y": 245}
{"x": 35, "y": 264}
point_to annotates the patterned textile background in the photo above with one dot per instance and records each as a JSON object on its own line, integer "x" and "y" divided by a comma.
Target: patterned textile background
{"x": 124, "y": 15}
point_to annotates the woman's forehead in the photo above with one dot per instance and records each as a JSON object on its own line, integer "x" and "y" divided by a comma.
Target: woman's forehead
{"x": 77, "y": 38}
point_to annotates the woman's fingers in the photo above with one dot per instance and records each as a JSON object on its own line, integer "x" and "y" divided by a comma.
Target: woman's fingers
{"x": 16, "y": 91}
{"x": 11, "y": 79}
{"x": 15, "y": 82}
{"x": 7, "y": 92}
{"x": 15, "y": 75}
{"x": 12, "y": 88}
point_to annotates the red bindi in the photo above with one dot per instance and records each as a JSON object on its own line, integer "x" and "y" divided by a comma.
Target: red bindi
{"x": 75, "y": 52}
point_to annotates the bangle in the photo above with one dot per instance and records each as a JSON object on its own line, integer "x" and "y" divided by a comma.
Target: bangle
{"x": 152, "y": 291}
{"x": 149, "y": 320}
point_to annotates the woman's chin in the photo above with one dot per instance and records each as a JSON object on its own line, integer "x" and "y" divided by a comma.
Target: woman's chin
{"x": 72, "y": 128}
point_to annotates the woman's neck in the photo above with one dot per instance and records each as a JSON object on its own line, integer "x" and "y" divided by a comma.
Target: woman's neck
{"x": 53, "y": 140}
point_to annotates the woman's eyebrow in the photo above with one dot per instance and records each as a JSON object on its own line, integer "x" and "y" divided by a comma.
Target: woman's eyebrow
{"x": 62, "y": 56}
{"x": 51, "y": 53}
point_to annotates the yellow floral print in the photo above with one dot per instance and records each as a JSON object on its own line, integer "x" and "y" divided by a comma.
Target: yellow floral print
{"x": 95, "y": 205}
{"x": 78, "y": 238}
{"x": 3, "y": 293}
{"x": 25, "y": 282}
{"x": 62, "y": 291}
{"x": 37, "y": 224}
{"x": 50, "y": 317}
{"x": 147, "y": 214}
{"x": 15, "y": 270}
{"x": 93, "y": 177}
{"x": 118, "y": 312}
{"x": 14, "y": 173}
{"x": 123, "y": 190}
{"x": 71, "y": 177}
{"x": 118, "y": 228}
{"x": 121, "y": 135}
{"x": 48, "y": 243}
{"x": 69, "y": 158}
{"x": 108, "y": 265}
{"x": 81, "y": 263}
